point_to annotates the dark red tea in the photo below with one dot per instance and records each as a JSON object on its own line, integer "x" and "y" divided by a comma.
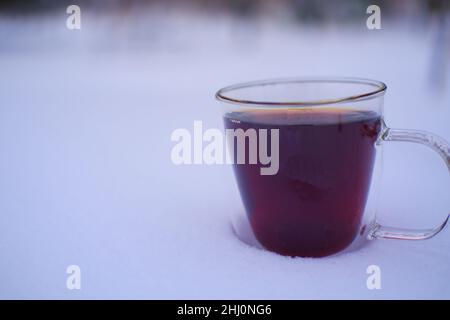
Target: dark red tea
{"x": 313, "y": 206}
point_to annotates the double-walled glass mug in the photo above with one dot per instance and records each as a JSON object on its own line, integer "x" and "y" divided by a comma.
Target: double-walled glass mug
{"x": 307, "y": 160}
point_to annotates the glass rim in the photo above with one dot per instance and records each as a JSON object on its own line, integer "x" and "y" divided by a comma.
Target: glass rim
{"x": 379, "y": 89}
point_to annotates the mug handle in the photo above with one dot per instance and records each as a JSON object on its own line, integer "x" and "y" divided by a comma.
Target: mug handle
{"x": 434, "y": 142}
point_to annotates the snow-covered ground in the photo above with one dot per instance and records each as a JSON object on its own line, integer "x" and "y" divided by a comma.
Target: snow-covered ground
{"x": 86, "y": 176}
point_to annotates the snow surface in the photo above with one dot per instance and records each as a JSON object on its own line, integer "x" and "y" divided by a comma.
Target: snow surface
{"x": 86, "y": 176}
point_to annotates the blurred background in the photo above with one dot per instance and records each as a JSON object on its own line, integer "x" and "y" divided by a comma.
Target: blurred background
{"x": 85, "y": 123}
{"x": 269, "y": 37}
